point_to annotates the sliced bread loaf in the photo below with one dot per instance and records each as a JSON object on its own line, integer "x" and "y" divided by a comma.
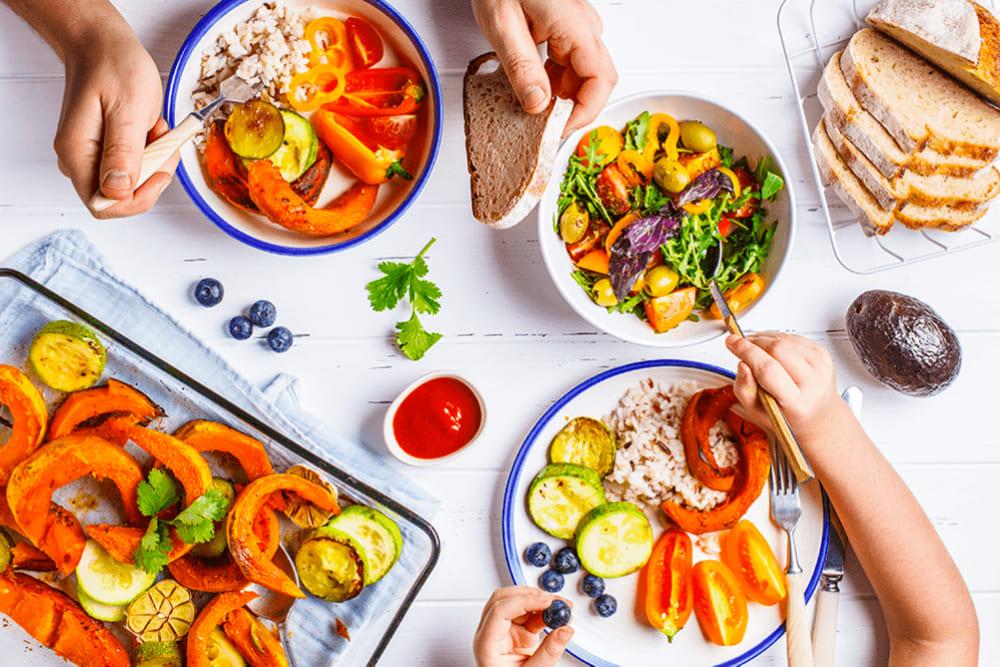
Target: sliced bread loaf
{"x": 964, "y": 194}
{"x": 843, "y": 111}
{"x": 959, "y": 36}
{"x": 871, "y": 216}
{"x": 916, "y": 102}
{"x": 510, "y": 153}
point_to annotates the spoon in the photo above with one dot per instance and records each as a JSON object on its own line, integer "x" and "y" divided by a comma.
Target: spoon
{"x": 233, "y": 89}
{"x": 275, "y": 606}
{"x": 710, "y": 264}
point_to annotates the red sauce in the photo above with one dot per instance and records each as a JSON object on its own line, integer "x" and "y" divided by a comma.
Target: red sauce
{"x": 438, "y": 418}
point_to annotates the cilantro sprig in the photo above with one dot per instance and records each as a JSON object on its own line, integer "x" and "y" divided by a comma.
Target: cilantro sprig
{"x": 194, "y": 524}
{"x": 406, "y": 280}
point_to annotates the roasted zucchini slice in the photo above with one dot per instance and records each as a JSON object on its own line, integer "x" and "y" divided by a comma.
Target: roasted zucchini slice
{"x": 67, "y": 356}
{"x": 158, "y": 654}
{"x": 586, "y": 442}
{"x": 560, "y": 495}
{"x": 254, "y": 129}
{"x": 379, "y": 536}
{"x": 614, "y": 540}
{"x": 330, "y": 565}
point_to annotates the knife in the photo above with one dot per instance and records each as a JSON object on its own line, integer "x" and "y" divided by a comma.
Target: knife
{"x": 824, "y": 634}
{"x": 782, "y": 431}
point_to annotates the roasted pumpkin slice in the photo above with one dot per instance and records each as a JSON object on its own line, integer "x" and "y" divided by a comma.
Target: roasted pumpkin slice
{"x": 244, "y": 546}
{"x": 209, "y": 436}
{"x": 57, "y": 621}
{"x": 209, "y": 619}
{"x": 226, "y": 174}
{"x": 30, "y": 488}
{"x": 254, "y": 641}
{"x": 79, "y": 409}
{"x": 113, "y": 426}
{"x": 183, "y": 461}
{"x": 27, "y": 409}
{"x": 121, "y": 541}
{"x": 26, "y": 557}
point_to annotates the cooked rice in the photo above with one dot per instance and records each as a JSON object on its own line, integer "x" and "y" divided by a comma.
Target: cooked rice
{"x": 650, "y": 465}
{"x": 268, "y": 48}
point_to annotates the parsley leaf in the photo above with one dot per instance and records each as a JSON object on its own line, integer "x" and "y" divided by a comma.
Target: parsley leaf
{"x": 157, "y": 492}
{"x": 413, "y": 339}
{"x": 397, "y": 169}
{"x": 195, "y": 523}
{"x": 154, "y": 548}
{"x": 635, "y": 132}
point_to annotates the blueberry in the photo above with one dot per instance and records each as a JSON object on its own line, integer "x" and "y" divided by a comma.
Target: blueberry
{"x": 538, "y": 554}
{"x": 263, "y": 313}
{"x": 208, "y": 292}
{"x": 279, "y": 339}
{"x": 565, "y": 561}
{"x": 551, "y": 581}
{"x": 240, "y": 328}
{"x": 556, "y": 614}
{"x": 606, "y": 605}
{"x": 593, "y": 586}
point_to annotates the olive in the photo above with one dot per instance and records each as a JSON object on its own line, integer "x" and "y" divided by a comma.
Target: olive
{"x": 661, "y": 280}
{"x": 697, "y": 137}
{"x": 670, "y": 175}
{"x": 573, "y": 223}
{"x": 603, "y": 293}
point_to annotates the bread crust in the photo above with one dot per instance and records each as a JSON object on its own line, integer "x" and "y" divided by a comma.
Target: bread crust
{"x": 532, "y": 189}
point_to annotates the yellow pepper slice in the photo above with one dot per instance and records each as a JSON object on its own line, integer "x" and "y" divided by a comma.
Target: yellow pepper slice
{"x": 634, "y": 161}
{"x": 328, "y": 38}
{"x": 669, "y": 144}
{"x": 698, "y": 207}
{"x": 734, "y": 178}
{"x": 309, "y": 90}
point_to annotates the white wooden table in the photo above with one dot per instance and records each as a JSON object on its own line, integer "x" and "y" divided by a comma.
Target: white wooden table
{"x": 503, "y": 324}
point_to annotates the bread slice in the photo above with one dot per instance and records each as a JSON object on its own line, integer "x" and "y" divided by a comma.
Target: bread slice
{"x": 964, "y": 194}
{"x": 843, "y": 111}
{"x": 510, "y": 152}
{"x": 871, "y": 216}
{"x": 959, "y": 36}
{"x": 916, "y": 102}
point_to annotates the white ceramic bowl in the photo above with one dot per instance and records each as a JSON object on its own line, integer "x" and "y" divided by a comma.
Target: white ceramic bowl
{"x": 403, "y": 46}
{"x": 389, "y": 435}
{"x": 732, "y": 130}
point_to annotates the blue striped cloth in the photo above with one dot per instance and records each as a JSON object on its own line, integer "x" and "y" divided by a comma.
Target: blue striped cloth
{"x": 67, "y": 263}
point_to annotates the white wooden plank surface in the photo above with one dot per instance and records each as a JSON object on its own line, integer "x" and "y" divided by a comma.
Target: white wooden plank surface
{"x": 501, "y": 319}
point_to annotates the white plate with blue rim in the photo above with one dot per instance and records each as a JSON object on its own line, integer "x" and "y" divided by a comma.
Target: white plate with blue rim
{"x": 626, "y": 638}
{"x": 403, "y": 46}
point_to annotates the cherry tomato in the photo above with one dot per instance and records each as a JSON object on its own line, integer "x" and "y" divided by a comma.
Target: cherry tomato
{"x": 392, "y": 132}
{"x": 749, "y": 556}
{"x": 665, "y": 583}
{"x": 666, "y": 312}
{"x": 742, "y": 295}
{"x": 752, "y": 204}
{"x": 719, "y": 603}
{"x": 614, "y": 189}
{"x": 365, "y": 43}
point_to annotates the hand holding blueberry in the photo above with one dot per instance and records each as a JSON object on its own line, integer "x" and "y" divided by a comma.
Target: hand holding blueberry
{"x": 509, "y": 627}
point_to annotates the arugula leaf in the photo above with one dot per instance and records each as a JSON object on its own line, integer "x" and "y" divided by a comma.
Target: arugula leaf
{"x": 648, "y": 199}
{"x": 397, "y": 169}
{"x": 584, "y": 279}
{"x": 157, "y": 492}
{"x": 404, "y": 279}
{"x": 629, "y": 305}
{"x": 413, "y": 339}
{"x": 154, "y": 548}
{"x": 635, "y": 132}
{"x": 726, "y": 156}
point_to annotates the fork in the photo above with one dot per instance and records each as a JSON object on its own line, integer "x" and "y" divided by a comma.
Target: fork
{"x": 786, "y": 509}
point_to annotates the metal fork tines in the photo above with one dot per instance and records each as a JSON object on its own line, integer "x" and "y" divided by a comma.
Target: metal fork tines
{"x": 786, "y": 507}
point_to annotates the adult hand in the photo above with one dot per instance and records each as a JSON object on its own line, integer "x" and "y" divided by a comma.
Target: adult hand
{"x": 111, "y": 110}
{"x": 572, "y": 31}
{"x": 508, "y": 630}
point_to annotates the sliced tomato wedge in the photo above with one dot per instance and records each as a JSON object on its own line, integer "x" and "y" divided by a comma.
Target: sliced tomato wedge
{"x": 719, "y": 603}
{"x": 746, "y": 181}
{"x": 725, "y": 226}
{"x": 614, "y": 189}
{"x": 593, "y": 238}
{"x": 665, "y": 583}
{"x": 365, "y": 44}
{"x": 749, "y": 556}
{"x": 392, "y": 132}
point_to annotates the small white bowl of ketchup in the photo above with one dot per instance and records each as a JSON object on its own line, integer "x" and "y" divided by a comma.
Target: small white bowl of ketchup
{"x": 435, "y": 418}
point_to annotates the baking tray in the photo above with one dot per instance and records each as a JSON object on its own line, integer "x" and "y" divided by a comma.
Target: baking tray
{"x": 31, "y": 305}
{"x": 811, "y": 31}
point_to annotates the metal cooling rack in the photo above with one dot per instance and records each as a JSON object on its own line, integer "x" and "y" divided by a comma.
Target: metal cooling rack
{"x": 811, "y": 32}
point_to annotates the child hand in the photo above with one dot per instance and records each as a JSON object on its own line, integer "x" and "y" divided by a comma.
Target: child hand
{"x": 797, "y": 372}
{"x": 508, "y": 630}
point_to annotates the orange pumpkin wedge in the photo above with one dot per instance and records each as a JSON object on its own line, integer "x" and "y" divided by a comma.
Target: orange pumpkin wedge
{"x": 113, "y": 426}
{"x": 121, "y": 542}
{"x": 245, "y": 549}
{"x": 30, "y": 488}
{"x": 222, "y": 575}
{"x": 209, "y": 436}
{"x": 255, "y": 643}
{"x": 62, "y": 529}
{"x": 703, "y": 411}
{"x": 26, "y": 557}
{"x": 27, "y": 408}
{"x": 57, "y": 621}
{"x": 751, "y": 473}
{"x": 115, "y": 397}
{"x": 183, "y": 461}
{"x": 212, "y": 616}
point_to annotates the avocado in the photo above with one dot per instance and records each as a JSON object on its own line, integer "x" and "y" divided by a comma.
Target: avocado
{"x": 903, "y": 342}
